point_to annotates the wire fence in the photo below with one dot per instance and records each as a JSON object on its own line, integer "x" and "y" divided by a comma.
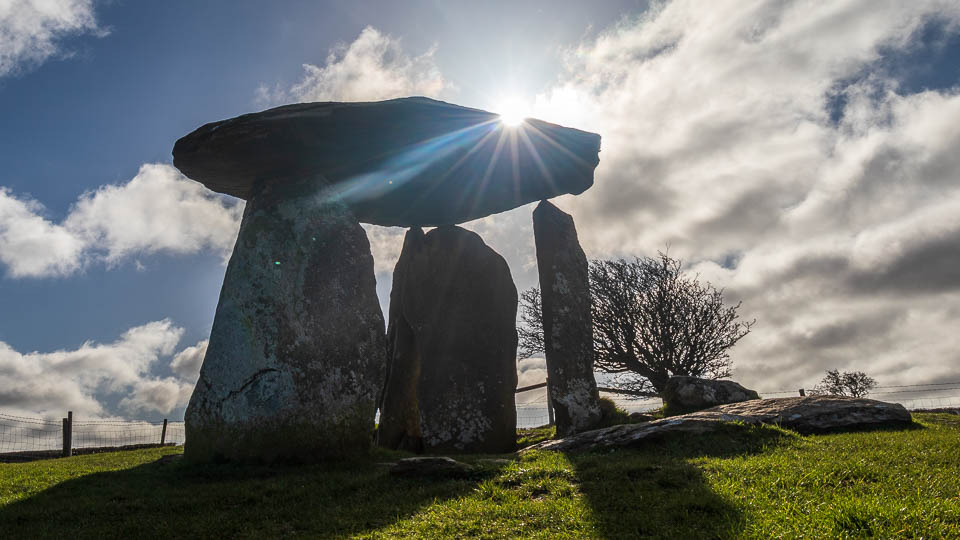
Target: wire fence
{"x": 532, "y": 412}
{"x": 914, "y": 397}
{"x": 24, "y": 438}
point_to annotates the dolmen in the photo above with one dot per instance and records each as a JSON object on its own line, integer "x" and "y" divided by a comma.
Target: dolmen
{"x": 298, "y": 361}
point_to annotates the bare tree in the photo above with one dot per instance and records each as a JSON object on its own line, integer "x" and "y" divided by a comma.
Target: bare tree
{"x": 530, "y": 329}
{"x": 650, "y": 322}
{"x": 846, "y": 383}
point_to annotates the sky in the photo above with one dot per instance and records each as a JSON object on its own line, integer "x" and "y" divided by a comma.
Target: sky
{"x": 800, "y": 155}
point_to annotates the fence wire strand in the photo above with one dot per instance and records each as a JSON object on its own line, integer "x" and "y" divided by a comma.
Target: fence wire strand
{"x": 23, "y": 437}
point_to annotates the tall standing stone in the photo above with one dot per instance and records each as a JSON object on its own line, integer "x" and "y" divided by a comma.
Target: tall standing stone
{"x": 296, "y": 354}
{"x": 567, "y": 322}
{"x": 452, "y": 343}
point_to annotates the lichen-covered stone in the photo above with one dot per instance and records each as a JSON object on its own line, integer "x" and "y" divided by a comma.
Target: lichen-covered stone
{"x": 452, "y": 341}
{"x": 567, "y": 322}
{"x": 687, "y": 394}
{"x": 296, "y": 354}
{"x": 811, "y": 414}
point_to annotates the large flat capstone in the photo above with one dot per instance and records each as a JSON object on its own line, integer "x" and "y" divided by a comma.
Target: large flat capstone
{"x": 452, "y": 344}
{"x": 407, "y": 162}
{"x": 296, "y": 354}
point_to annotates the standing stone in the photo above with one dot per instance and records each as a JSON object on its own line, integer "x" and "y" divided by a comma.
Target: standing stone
{"x": 452, "y": 343}
{"x": 296, "y": 354}
{"x": 567, "y": 322}
{"x": 399, "y": 426}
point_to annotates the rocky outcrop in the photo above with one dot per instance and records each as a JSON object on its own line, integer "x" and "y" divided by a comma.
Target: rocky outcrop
{"x": 567, "y": 322}
{"x": 452, "y": 345}
{"x": 408, "y": 162}
{"x": 296, "y": 354}
{"x": 815, "y": 414}
{"x": 687, "y": 394}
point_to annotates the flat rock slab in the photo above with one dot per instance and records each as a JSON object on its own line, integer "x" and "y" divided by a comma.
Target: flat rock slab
{"x": 431, "y": 466}
{"x": 812, "y": 414}
{"x": 406, "y": 162}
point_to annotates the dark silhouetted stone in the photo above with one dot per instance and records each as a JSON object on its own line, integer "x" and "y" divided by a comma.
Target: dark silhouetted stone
{"x": 567, "y": 322}
{"x": 688, "y": 394}
{"x": 452, "y": 347}
{"x": 296, "y": 354}
{"x": 408, "y": 162}
{"x": 399, "y": 426}
{"x": 812, "y": 414}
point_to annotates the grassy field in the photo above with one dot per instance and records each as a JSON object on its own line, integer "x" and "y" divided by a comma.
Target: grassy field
{"x": 740, "y": 483}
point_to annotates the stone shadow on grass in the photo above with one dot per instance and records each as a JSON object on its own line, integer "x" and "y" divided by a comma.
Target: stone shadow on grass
{"x": 172, "y": 499}
{"x": 654, "y": 491}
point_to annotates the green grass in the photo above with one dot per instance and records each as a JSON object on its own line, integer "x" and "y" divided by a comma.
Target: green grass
{"x": 749, "y": 482}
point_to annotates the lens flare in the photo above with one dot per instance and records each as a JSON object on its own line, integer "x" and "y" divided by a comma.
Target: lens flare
{"x": 512, "y": 112}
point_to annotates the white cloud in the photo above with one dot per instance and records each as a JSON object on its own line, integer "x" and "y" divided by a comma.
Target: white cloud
{"x": 721, "y": 139}
{"x": 156, "y": 395}
{"x": 372, "y": 68}
{"x": 158, "y": 210}
{"x": 83, "y": 379}
{"x": 385, "y": 244}
{"x": 186, "y": 364}
{"x": 531, "y": 371}
{"x": 31, "y": 245}
{"x": 31, "y": 29}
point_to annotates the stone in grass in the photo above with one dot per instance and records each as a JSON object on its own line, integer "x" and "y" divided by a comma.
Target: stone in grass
{"x": 637, "y": 417}
{"x": 431, "y": 466}
{"x": 811, "y": 414}
{"x": 687, "y": 394}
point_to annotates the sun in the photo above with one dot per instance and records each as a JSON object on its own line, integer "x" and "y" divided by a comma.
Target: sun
{"x": 512, "y": 112}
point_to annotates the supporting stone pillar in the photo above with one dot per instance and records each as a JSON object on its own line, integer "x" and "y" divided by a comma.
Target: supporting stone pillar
{"x": 452, "y": 347}
{"x": 567, "y": 321}
{"x": 296, "y": 354}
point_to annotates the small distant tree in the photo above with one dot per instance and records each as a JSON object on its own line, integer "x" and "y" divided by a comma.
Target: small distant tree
{"x": 650, "y": 322}
{"x": 846, "y": 383}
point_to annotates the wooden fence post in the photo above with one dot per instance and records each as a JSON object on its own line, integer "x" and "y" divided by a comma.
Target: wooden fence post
{"x": 68, "y": 435}
{"x": 163, "y": 432}
{"x": 802, "y": 393}
{"x": 549, "y": 403}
